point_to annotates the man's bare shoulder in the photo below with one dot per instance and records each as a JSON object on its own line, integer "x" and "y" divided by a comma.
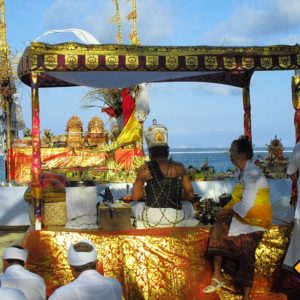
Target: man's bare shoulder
{"x": 178, "y": 164}
{"x": 142, "y": 171}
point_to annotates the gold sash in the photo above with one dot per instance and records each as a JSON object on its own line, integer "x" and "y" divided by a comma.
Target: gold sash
{"x": 261, "y": 213}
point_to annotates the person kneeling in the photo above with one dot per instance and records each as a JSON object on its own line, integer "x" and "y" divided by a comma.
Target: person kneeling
{"x": 88, "y": 283}
{"x": 166, "y": 185}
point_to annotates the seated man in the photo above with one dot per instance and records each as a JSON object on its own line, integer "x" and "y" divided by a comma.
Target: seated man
{"x": 17, "y": 277}
{"x": 11, "y": 294}
{"x": 166, "y": 185}
{"x": 88, "y": 283}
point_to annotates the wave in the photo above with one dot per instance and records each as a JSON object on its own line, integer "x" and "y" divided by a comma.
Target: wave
{"x": 218, "y": 151}
{"x": 195, "y": 152}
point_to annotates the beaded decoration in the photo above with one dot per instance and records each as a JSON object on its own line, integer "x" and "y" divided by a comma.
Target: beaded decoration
{"x": 163, "y": 185}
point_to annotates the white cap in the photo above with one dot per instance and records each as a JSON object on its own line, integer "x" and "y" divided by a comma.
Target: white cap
{"x": 15, "y": 253}
{"x": 81, "y": 258}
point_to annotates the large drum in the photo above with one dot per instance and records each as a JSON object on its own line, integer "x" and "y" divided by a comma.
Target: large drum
{"x": 81, "y": 202}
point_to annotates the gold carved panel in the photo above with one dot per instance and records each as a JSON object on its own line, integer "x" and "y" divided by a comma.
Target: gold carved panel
{"x": 266, "y": 62}
{"x": 191, "y": 62}
{"x": 284, "y": 61}
{"x": 298, "y": 59}
{"x": 50, "y": 61}
{"x": 91, "y": 61}
{"x": 152, "y": 62}
{"x": 171, "y": 62}
{"x": 71, "y": 61}
{"x": 33, "y": 62}
{"x": 210, "y": 62}
{"x": 132, "y": 61}
{"x": 247, "y": 62}
{"x": 112, "y": 61}
{"x": 229, "y": 63}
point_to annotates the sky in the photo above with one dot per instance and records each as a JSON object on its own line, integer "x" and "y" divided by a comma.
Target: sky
{"x": 196, "y": 114}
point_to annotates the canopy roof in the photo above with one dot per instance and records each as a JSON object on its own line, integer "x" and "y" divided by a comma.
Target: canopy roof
{"x": 109, "y": 66}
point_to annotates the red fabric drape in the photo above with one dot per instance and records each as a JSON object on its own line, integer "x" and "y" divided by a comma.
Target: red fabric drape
{"x": 110, "y": 111}
{"x": 127, "y": 105}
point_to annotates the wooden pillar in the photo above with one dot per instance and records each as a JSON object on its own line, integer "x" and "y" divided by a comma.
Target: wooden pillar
{"x": 8, "y": 105}
{"x": 36, "y": 169}
{"x": 247, "y": 113}
{"x": 296, "y": 105}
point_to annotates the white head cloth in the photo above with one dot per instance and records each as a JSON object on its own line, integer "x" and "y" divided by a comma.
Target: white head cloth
{"x": 81, "y": 258}
{"x": 15, "y": 253}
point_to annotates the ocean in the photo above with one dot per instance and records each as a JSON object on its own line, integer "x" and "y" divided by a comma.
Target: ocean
{"x": 196, "y": 157}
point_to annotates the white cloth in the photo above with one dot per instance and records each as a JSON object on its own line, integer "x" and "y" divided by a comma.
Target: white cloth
{"x": 11, "y": 294}
{"x": 252, "y": 179}
{"x": 120, "y": 79}
{"x": 90, "y": 285}
{"x": 81, "y": 207}
{"x": 31, "y": 284}
{"x": 293, "y": 254}
{"x": 164, "y": 217}
{"x": 15, "y": 253}
{"x": 81, "y": 258}
{"x": 293, "y": 167}
{"x": 83, "y": 35}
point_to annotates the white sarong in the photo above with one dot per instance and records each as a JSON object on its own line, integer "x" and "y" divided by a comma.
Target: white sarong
{"x": 148, "y": 217}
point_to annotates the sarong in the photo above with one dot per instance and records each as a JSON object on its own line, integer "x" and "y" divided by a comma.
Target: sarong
{"x": 238, "y": 252}
{"x": 148, "y": 217}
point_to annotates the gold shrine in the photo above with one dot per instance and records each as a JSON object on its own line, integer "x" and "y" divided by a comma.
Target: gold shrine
{"x": 96, "y": 133}
{"x": 74, "y": 131}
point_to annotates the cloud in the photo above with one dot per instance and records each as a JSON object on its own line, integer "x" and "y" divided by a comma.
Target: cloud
{"x": 193, "y": 88}
{"x": 254, "y": 22}
{"x": 95, "y": 17}
{"x": 219, "y": 89}
{"x": 154, "y": 29}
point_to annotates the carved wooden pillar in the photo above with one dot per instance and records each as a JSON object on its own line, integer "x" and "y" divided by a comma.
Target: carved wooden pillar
{"x": 8, "y": 105}
{"x": 296, "y": 105}
{"x": 36, "y": 169}
{"x": 247, "y": 113}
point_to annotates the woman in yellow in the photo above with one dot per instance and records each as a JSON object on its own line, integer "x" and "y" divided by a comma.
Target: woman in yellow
{"x": 240, "y": 225}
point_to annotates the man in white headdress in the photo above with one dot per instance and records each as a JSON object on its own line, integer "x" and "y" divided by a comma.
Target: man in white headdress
{"x": 164, "y": 185}
{"x": 293, "y": 253}
{"x": 17, "y": 277}
{"x": 88, "y": 284}
{"x": 11, "y": 294}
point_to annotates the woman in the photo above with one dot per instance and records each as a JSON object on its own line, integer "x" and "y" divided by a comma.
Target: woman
{"x": 240, "y": 225}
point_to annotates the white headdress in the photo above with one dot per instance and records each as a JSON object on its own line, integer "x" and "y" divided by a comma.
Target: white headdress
{"x": 81, "y": 258}
{"x": 156, "y": 135}
{"x": 15, "y": 253}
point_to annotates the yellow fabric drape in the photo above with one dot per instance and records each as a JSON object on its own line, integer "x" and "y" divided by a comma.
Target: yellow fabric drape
{"x": 131, "y": 133}
{"x": 261, "y": 213}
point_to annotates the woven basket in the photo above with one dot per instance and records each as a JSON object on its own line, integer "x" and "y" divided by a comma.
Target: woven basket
{"x": 54, "y": 214}
{"x": 54, "y": 210}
